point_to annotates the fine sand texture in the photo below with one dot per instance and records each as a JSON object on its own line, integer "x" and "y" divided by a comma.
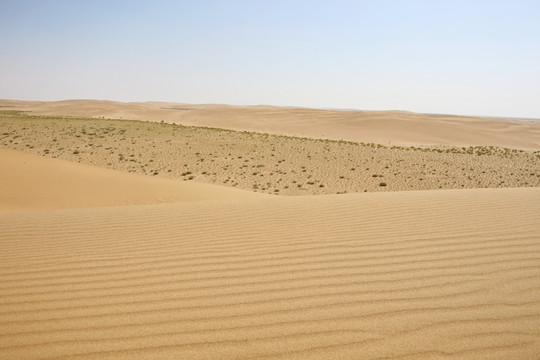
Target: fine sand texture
{"x": 444, "y": 274}
{"x": 382, "y": 127}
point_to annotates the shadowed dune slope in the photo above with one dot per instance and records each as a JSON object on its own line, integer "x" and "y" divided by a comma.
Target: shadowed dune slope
{"x": 385, "y": 127}
{"x": 31, "y": 182}
{"x": 451, "y": 274}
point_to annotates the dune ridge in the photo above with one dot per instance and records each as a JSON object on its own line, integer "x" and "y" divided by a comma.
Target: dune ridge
{"x": 413, "y": 275}
{"x": 385, "y": 127}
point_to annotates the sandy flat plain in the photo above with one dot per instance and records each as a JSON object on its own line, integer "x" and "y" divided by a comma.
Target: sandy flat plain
{"x": 108, "y": 258}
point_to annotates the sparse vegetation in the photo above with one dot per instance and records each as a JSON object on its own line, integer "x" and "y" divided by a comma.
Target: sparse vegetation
{"x": 263, "y": 162}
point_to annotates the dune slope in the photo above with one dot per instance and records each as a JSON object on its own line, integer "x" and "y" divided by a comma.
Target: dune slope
{"x": 31, "y": 182}
{"x": 410, "y": 275}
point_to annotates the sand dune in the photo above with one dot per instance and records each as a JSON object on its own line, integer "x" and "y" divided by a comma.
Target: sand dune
{"x": 409, "y": 275}
{"x": 31, "y": 182}
{"x": 266, "y": 163}
{"x": 386, "y": 127}
{"x": 102, "y": 264}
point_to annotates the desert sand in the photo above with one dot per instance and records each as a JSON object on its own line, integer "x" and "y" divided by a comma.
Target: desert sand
{"x": 266, "y": 163}
{"x": 383, "y": 127}
{"x": 428, "y": 274}
{"x": 109, "y": 263}
{"x": 31, "y": 182}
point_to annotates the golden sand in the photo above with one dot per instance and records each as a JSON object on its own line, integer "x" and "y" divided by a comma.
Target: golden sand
{"x": 104, "y": 264}
{"x": 422, "y": 274}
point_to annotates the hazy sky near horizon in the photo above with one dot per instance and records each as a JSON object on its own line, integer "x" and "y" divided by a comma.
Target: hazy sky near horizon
{"x": 474, "y": 57}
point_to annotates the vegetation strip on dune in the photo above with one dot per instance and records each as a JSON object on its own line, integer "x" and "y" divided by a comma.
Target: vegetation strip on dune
{"x": 266, "y": 163}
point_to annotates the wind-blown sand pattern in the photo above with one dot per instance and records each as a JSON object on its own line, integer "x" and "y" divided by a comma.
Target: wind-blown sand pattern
{"x": 429, "y": 274}
{"x": 98, "y": 263}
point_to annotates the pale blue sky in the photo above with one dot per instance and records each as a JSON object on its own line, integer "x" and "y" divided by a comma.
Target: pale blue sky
{"x": 462, "y": 57}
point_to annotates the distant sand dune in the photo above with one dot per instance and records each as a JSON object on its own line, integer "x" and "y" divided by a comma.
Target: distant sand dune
{"x": 386, "y": 127}
{"x": 413, "y": 275}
